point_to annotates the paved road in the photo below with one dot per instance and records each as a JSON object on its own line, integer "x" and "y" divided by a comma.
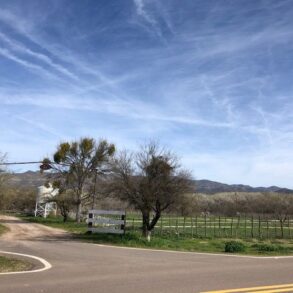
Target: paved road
{"x": 82, "y": 267}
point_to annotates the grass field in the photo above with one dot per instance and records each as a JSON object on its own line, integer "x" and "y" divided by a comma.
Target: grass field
{"x": 3, "y": 229}
{"x": 244, "y": 227}
{"x": 8, "y": 264}
{"x": 172, "y": 241}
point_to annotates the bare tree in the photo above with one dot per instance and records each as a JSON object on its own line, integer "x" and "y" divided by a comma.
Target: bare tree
{"x": 64, "y": 203}
{"x": 151, "y": 180}
{"x": 280, "y": 205}
{"x": 3, "y": 170}
{"x": 3, "y": 179}
{"x": 75, "y": 164}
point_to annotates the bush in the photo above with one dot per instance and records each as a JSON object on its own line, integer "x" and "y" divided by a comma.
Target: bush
{"x": 234, "y": 246}
{"x": 265, "y": 247}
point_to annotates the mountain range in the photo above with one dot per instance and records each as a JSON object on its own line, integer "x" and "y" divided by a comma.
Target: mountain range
{"x": 35, "y": 179}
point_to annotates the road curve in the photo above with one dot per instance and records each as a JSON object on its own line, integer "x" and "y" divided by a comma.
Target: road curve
{"x": 83, "y": 267}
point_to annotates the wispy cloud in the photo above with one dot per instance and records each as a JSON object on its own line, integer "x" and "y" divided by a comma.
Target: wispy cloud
{"x": 31, "y": 66}
{"x": 130, "y": 109}
{"x": 16, "y": 46}
{"x": 141, "y": 11}
{"x": 210, "y": 80}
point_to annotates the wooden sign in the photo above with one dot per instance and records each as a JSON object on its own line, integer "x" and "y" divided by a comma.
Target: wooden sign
{"x": 103, "y": 221}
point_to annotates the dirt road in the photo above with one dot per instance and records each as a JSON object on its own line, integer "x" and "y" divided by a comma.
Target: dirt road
{"x": 23, "y": 230}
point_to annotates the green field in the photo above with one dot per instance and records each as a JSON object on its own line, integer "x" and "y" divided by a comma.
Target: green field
{"x": 243, "y": 227}
{"x": 8, "y": 264}
{"x": 3, "y": 229}
{"x": 168, "y": 238}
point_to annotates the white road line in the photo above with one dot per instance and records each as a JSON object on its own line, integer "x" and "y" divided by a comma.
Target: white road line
{"x": 197, "y": 253}
{"x": 46, "y": 264}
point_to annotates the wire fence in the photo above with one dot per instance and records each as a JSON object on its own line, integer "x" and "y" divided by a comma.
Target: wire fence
{"x": 243, "y": 227}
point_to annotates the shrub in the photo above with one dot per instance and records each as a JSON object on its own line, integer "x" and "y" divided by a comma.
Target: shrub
{"x": 234, "y": 246}
{"x": 265, "y": 247}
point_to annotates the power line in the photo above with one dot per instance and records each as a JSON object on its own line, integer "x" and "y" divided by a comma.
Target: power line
{"x": 19, "y": 163}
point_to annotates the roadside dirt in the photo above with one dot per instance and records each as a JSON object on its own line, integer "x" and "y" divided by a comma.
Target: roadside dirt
{"x": 22, "y": 230}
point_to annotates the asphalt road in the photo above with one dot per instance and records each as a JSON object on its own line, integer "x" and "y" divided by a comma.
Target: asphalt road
{"x": 82, "y": 267}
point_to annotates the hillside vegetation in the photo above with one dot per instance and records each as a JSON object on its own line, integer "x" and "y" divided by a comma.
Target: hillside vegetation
{"x": 32, "y": 179}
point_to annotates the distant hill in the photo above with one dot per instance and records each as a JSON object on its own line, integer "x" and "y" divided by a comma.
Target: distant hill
{"x": 210, "y": 187}
{"x": 35, "y": 179}
{"x": 26, "y": 179}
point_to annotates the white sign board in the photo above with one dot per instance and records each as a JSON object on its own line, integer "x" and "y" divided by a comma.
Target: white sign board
{"x": 103, "y": 221}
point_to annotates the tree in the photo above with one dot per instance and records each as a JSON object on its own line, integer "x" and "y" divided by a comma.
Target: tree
{"x": 280, "y": 205}
{"x": 74, "y": 165}
{"x": 152, "y": 181}
{"x": 64, "y": 203}
{"x": 3, "y": 178}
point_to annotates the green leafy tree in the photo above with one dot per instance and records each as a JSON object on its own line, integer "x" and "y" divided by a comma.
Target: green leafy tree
{"x": 75, "y": 164}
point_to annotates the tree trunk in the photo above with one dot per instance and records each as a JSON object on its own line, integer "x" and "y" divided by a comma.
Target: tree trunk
{"x": 78, "y": 212}
{"x": 154, "y": 220}
{"x": 64, "y": 213}
{"x": 148, "y": 236}
{"x": 282, "y": 228}
{"x": 145, "y": 223}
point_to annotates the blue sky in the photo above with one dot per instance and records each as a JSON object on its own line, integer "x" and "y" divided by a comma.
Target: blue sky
{"x": 212, "y": 80}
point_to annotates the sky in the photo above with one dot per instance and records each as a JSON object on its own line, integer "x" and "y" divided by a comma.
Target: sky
{"x": 209, "y": 79}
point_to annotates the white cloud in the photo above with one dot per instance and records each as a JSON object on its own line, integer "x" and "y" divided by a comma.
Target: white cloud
{"x": 215, "y": 87}
{"x": 141, "y": 11}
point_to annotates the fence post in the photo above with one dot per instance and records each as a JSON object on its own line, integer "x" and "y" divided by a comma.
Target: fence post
{"x": 220, "y": 227}
{"x": 289, "y": 231}
{"x": 259, "y": 228}
{"x": 184, "y": 220}
{"x": 268, "y": 236}
{"x": 90, "y": 223}
{"x": 132, "y": 224}
{"x": 191, "y": 227}
{"x": 161, "y": 228}
{"x": 205, "y": 225}
{"x": 232, "y": 228}
{"x": 237, "y": 227}
{"x": 177, "y": 231}
{"x": 196, "y": 231}
{"x": 245, "y": 225}
{"x": 214, "y": 227}
{"x": 123, "y": 226}
{"x": 252, "y": 227}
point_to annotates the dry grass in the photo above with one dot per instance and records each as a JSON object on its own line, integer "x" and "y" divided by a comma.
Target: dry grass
{"x": 8, "y": 264}
{"x": 3, "y": 229}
